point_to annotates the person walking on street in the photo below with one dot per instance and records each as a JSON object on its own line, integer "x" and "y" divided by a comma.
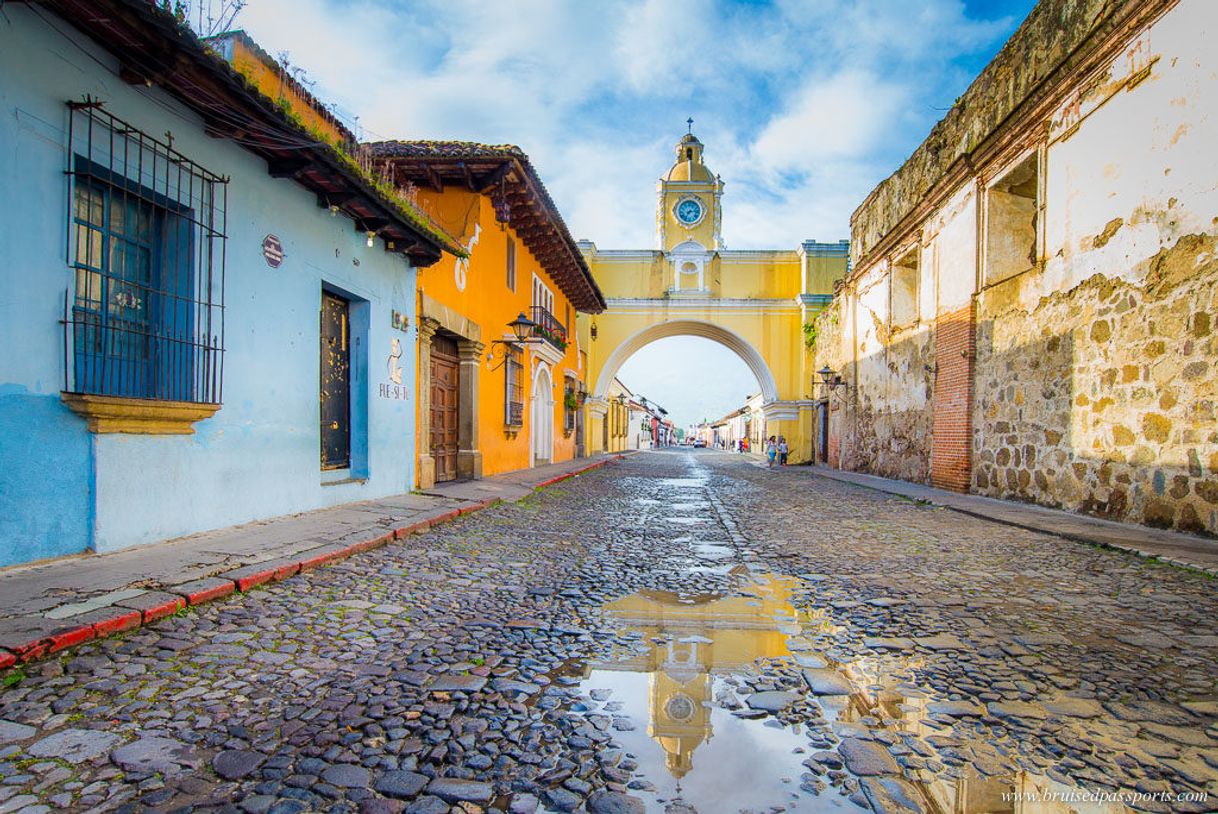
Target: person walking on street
{"x": 783, "y": 450}
{"x": 771, "y": 450}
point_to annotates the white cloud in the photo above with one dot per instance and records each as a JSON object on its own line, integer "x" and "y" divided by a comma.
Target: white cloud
{"x": 831, "y": 117}
{"x": 661, "y": 45}
{"x": 804, "y": 105}
{"x": 795, "y": 100}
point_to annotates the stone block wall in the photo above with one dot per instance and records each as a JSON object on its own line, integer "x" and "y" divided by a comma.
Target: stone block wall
{"x": 1104, "y": 398}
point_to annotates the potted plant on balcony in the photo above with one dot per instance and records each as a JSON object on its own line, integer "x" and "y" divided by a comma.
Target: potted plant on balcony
{"x": 553, "y": 337}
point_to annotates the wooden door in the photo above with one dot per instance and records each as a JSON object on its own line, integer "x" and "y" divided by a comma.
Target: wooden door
{"x": 822, "y": 440}
{"x": 335, "y": 382}
{"x": 579, "y": 433}
{"x": 444, "y": 396}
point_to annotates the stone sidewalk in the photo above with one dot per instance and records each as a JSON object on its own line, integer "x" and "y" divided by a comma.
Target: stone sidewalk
{"x": 52, "y": 605}
{"x": 1169, "y": 546}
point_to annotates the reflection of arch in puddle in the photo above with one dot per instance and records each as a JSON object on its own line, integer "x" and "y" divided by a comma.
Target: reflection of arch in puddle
{"x": 694, "y": 642}
{"x": 692, "y": 639}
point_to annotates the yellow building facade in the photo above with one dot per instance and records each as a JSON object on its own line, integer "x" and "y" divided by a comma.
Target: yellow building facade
{"x": 493, "y": 398}
{"x": 753, "y": 302}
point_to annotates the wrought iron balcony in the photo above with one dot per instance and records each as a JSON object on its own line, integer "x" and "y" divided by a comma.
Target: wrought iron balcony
{"x": 548, "y": 327}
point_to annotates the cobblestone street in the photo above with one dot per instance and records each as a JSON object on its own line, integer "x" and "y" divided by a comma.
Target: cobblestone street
{"x": 680, "y": 631}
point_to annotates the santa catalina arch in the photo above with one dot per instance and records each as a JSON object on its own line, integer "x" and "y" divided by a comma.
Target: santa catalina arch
{"x": 753, "y": 301}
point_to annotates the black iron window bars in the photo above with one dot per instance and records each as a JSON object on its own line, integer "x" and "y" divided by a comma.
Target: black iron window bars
{"x": 513, "y": 414}
{"x": 144, "y": 317}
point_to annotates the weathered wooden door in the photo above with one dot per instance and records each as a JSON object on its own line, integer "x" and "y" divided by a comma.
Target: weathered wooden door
{"x": 579, "y": 433}
{"x": 335, "y": 382}
{"x": 444, "y": 406}
{"x": 822, "y": 435}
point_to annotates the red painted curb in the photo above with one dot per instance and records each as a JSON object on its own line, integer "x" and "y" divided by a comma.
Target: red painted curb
{"x": 70, "y": 638}
{"x": 210, "y": 594}
{"x": 161, "y": 611}
{"x": 285, "y": 571}
{"x": 127, "y": 621}
{"x": 587, "y": 468}
{"x": 318, "y": 560}
{"x": 38, "y": 648}
{"x": 406, "y": 531}
{"x": 31, "y": 650}
{"x": 452, "y": 514}
{"x": 254, "y": 580}
{"x": 368, "y": 545}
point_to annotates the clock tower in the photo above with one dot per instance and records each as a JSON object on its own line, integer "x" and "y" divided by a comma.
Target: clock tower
{"x": 688, "y": 200}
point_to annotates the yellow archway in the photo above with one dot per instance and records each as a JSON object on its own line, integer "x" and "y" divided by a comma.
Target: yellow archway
{"x": 753, "y": 302}
{"x": 686, "y": 327}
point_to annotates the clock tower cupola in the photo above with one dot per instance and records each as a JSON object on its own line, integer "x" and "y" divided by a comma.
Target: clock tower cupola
{"x": 688, "y": 209}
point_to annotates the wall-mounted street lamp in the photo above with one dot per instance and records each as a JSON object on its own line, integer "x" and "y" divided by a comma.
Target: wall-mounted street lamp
{"x": 831, "y": 380}
{"x": 522, "y": 335}
{"x": 522, "y": 327}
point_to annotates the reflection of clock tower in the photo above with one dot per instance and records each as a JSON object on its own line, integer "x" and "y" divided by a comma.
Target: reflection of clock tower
{"x": 688, "y": 217}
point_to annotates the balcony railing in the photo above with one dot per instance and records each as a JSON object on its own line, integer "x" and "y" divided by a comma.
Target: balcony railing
{"x": 549, "y": 328}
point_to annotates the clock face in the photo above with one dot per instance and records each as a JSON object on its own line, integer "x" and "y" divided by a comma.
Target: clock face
{"x": 689, "y": 211}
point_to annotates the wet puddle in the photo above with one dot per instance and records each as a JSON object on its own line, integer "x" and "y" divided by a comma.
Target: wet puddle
{"x": 734, "y": 703}
{"x": 712, "y": 551}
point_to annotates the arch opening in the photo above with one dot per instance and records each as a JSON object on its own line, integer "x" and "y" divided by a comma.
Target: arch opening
{"x": 717, "y": 333}
{"x": 541, "y": 418}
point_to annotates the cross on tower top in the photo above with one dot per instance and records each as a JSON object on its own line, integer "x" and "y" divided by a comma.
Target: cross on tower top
{"x": 690, "y": 123}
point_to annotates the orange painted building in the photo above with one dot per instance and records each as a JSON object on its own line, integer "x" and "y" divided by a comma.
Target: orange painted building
{"x": 265, "y": 73}
{"x": 490, "y": 401}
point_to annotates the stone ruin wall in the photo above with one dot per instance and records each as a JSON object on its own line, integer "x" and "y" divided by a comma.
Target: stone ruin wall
{"x": 830, "y": 349}
{"x": 1104, "y": 398}
{"x": 885, "y": 427}
{"x": 1047, "y": 42}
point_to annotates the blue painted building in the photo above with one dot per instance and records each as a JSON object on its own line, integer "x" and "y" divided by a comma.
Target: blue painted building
{"x": 201, "y": 298}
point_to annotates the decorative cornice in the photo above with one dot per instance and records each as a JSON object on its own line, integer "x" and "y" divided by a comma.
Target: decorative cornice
{"x": 615, "y": 305}
{"x": 751, "y": 255}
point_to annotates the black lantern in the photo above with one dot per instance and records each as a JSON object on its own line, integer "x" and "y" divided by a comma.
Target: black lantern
{"x": 522, "y": 334}
{"x": 826, "y": 375}
{"x": 522, "y": 327}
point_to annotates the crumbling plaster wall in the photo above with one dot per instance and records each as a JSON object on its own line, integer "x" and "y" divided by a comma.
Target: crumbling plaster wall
{"x": 881, "y": 418}
{"x": 1097, "y": 374}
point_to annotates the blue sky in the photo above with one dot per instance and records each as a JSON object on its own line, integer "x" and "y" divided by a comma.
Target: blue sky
{"x": 804, "y": 106}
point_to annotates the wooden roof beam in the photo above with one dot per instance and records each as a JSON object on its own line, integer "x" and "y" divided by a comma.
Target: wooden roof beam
{"x": 363, "y": 224}
{"x": 491, "y": 180}
{"x": 286, "y": 167}
{"x": 468, "y": 176}
{"x": 433, "y": 177}
{"x": 325, "y": 200}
